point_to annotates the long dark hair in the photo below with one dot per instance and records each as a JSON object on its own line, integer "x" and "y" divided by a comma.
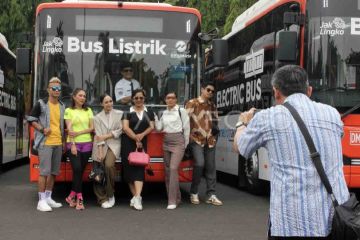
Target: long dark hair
{"x": 75, "y": 92}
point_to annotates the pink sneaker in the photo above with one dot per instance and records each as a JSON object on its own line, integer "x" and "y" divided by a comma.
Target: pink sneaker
{"x": 80, "y": 204}
{"x": 71, "y": 201}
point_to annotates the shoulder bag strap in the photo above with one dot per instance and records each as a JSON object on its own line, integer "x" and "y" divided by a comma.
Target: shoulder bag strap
{"x": 315, "y": 156}
{"x": 182, "y": 123}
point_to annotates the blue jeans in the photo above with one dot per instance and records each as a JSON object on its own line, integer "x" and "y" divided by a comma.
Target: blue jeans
{"x": 204, "y": 162}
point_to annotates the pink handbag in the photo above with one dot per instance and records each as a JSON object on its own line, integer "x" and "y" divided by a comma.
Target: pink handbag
{"x": 139, "y": 158}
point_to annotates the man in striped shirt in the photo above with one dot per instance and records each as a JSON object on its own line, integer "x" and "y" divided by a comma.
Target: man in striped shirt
{"x": 300, "y": 207}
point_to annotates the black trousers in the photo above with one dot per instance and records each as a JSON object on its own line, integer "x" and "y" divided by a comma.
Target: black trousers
{"x": 78, "y": 164}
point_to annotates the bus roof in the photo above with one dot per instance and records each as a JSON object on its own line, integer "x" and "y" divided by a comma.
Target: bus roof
{"x": 4, "y": 44}
{"x": 131, "y": 3}
{"x": 259, "y": 8}
{"x": 117, "y": 5}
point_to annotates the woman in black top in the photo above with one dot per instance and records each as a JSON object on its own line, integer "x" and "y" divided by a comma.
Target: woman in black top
{"x": 137, "y": 124}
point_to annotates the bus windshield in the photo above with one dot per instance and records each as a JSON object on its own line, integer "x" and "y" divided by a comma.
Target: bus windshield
{"x": 333, "y": 53}
{"x": 87, "y": 47}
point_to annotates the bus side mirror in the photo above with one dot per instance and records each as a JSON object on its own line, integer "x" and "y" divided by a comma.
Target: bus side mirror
{"x": 23, "y": 61}
{"x": 287, "y": 48}
{"x": 220, "y": 52}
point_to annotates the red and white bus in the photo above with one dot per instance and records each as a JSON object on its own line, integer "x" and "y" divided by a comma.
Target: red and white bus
{"x": 320, "y": 35}
{"x": 14, "y": 137}
{"x": 84, "y": 43}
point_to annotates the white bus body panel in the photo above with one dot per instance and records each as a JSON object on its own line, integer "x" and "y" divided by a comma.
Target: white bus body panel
{"x": 8, "y": 129}
{"x": 264, "y": 164}
{"x": 227, "y": 159}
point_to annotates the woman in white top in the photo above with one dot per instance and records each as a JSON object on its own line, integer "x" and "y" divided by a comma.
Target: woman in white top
{"x": 174, "y": 122}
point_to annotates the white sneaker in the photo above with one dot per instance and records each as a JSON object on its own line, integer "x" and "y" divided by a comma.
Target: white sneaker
{"x": 112, "y": 201}
{"x": 106, "y": 205}
{"x": 214, "y": 201}
{"x": 52, "y": 203}
{"x": 43, "y": 206}
{"x": 138, "y": 204}
{"x": 132, "y": 202}
{"x": 194, "y": 198}
{"x": 171, "y": 206}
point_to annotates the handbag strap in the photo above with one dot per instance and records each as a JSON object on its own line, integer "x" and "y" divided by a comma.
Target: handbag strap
{"x": 314, "y": 154}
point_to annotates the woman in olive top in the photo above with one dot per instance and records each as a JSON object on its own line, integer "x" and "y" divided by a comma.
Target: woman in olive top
{"x": 106, "y": 149}
{"x": 79, "y": 123}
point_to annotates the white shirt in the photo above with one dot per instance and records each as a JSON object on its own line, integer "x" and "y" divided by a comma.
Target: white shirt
{"x": 139, "y": 114}
{"x": 123, "y": 88}
{"x": 170, "y": 122}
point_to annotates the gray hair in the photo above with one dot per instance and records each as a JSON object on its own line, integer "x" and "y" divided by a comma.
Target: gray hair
{"x": 290, "y": 79}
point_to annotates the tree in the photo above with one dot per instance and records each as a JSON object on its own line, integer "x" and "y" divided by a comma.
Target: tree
{"x": 12, "y": 20}
{"x": 17, "y": 17}
{"x": 213, "y": 13}
{"x": 236, "y": 8}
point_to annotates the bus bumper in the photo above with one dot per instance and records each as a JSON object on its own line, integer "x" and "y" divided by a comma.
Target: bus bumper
{"x": 154, "y": 172}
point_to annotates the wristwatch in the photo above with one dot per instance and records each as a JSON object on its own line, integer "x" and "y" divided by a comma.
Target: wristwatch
{"x": 239, "y": 124}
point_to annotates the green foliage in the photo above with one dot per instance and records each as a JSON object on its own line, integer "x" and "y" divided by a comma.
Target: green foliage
{"x": 236, "y": 8}
{"x": 16, "y": 17}
{"x": 11, "y": 20}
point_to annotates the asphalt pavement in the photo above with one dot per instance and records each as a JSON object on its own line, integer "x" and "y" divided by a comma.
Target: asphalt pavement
{"x": 243, "y": 216}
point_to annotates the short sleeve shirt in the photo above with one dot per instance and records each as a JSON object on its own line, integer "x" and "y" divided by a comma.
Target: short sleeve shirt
{"x": 80, "y": 120}
{"x": 54, "y": 137}
{"x": 202, "y": 115}
{"x": 123, "y": 88}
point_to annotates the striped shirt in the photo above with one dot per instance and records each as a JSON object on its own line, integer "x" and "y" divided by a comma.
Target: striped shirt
{"x": 299, "y": 203}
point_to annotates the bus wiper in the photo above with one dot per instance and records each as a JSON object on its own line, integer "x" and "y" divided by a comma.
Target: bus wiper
{"x": 334, "y": 88}
{"x": 353, "y": 109}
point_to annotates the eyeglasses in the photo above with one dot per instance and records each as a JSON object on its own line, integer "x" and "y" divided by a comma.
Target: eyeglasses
{"x": 56, "y": 88}
{"x": 171, "y": 97}
{"x": 138, "y": 98}
{"x": 210, "y": 90}
{"x": 127, "y": 70}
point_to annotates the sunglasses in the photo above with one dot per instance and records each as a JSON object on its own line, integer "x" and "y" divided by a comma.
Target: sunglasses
{"x": 127, "y": 70}
{"x": 139, "y": 98}
{"x": 210, "y": 90}
{"x": 56, "y": 88}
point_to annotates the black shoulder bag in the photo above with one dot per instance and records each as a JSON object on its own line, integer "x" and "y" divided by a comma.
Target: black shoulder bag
{"x": 97, "y": 173}
{"x": 346, "y": 220}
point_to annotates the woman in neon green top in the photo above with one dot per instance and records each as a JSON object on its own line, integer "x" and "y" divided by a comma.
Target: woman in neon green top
{"x": 79, "y": 122}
